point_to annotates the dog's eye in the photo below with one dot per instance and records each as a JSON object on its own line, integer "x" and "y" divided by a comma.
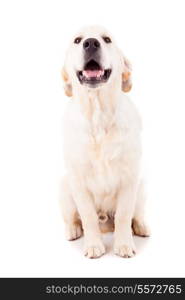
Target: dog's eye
{"x": 77, "y": 40}
{"x": 107, "y": 39}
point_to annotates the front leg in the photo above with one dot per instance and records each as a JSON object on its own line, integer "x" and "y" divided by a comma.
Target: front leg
{"x": 93, "y": 247}
{"x": 124, "y": 244}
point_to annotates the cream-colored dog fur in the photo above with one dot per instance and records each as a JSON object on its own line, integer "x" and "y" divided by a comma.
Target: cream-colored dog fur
{"x": 102, "y": 151}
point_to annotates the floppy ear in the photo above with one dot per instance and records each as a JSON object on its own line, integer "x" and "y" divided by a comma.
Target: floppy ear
{"x": 126, "y": 76}
{"x": 67, "y": 83}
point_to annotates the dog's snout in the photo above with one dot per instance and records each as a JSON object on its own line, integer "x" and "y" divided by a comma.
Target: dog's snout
{"x": 91, "y": 45}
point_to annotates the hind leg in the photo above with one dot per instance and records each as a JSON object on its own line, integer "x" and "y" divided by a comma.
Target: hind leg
{"x": 138, "y": 223}
{"x": 73, "y": 227}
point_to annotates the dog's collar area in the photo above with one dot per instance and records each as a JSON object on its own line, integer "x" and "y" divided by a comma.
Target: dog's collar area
{"x": 93, "y": 73}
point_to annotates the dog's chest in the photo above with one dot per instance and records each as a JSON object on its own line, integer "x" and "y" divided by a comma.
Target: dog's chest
{"x": 102, "y": 151}
{"x": 104, "y": 144}
{"x": 106, "y": 155}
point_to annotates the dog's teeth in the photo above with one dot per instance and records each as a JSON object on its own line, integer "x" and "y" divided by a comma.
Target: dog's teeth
{"x": 93, "y": 73}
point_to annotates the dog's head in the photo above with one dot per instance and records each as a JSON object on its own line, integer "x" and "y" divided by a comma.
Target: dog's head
{"x": 93, "y": 60}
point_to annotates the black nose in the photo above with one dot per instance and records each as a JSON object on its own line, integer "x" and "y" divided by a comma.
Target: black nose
{"x": 91, "y": 45}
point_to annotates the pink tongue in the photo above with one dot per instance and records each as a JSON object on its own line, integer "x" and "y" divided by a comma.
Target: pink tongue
{"x": 92, "y": 73}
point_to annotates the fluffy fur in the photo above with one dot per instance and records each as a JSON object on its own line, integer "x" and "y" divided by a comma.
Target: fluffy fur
{"x": 102, "y": 189}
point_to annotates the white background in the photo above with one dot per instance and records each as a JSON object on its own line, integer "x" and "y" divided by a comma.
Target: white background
{"x": 33, "y": 39}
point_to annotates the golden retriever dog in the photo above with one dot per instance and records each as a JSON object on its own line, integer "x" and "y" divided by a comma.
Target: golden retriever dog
{"x": 102, "y": 189}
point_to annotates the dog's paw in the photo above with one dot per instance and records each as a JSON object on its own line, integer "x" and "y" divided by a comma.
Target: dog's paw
{"x": 140, "y": 228}
{"x": 73, "y": 231}
{"x": 125, "y": 249}
{"x": 94, "y": 250}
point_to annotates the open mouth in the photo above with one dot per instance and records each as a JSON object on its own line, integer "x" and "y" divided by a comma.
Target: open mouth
{"x": 93, "y": 74}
